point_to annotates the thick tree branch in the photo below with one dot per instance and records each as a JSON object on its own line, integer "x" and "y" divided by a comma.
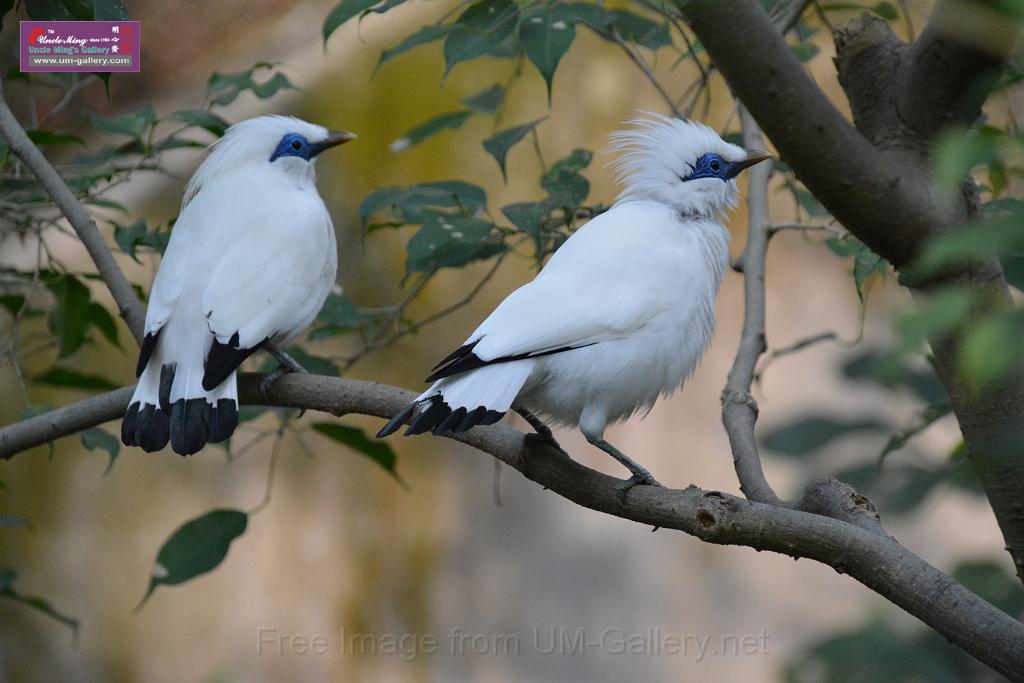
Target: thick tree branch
{"x": 859, "y": 184}
{"x": 128, "y": 305}
{"x": 879, "y": 186}
{"x": 878, "y": 562}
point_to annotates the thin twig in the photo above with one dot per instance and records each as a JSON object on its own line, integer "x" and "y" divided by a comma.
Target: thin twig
{"x": 129, "y": 307}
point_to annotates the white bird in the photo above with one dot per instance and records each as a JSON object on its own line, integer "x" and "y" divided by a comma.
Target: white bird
{"x": 622, "y": 312}
{"x": 251, "y": 260}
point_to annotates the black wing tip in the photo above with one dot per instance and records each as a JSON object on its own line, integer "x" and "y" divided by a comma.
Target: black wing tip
{"x": 223, "y": 359}
{"x": 439, "y": 418}
{"x": 146, "y": 349}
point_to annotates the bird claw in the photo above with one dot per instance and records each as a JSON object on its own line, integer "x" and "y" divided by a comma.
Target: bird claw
{"x": 541, "y": 439}
{"x": 638, "y": 479}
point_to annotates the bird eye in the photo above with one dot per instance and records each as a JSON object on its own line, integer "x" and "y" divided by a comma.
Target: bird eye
{"x": 715, "y": 165}
{"x": 296, "y": 145}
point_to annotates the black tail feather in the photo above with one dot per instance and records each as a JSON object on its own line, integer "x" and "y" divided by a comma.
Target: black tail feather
{"x": 397, "y": 421}
{"x": 438, "y": 417}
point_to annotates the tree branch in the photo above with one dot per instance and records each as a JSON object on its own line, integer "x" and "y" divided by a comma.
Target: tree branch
{"x": 882, "y": 193}
{"x": 878, "y": 562}
{"x": 128, "y": 305}
{"x": 739, "y": 409}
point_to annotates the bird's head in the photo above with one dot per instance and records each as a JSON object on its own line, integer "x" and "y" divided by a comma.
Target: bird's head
{"x": 282, "y": 142}
{"x": 683, "y": 164}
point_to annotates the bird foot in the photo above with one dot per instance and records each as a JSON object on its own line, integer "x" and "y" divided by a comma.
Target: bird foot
{"x": 638, "y": 479}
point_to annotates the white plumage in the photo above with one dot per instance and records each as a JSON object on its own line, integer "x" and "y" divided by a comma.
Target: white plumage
{"x": 251, "y": 258}
{"x": 621, "y": 313}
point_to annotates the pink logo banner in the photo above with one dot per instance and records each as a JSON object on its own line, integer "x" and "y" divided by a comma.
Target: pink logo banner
{"x": 69, "y": 46}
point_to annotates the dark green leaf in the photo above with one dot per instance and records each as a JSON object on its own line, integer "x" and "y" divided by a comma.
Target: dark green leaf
{"x": 203, "y": 119}
{"x": 101, "y": 319}
{"x": 129, "y": 238}
{"x": 70, "y": 316}
{"x": 641, "y": 30}
{"x": 805, "y": 52}
{"x": 62, "y": 377}
{"x": 498, "y": 144}
{"x": 42, "y": 138}
{"x": 109, "y": 10}
{"x": 985, "y": 240}
{"x": 415, "y": 203}
{"x": 566, "y": 188}
{"x": 43, "y": 10}
{"x": 7, "y": 579}
{"x": 5, "y": 7}
{"x": 377, "y": 451}
{"x": 339, "y": 315}
{"x": 991, "y": 349}
{"x": 546, "y": 34}
{"x": 94, "y": 438}
{"x": 197, "y": 547}
{"x": 13, "y": 303}
{"x": 588, "y": 13}
{"x": 487, "y": 101}
{"x": 865, "y": 262}
{"x": 478, "y": 30}
{"x": 450, "y": 241}
{"x": 929, "y": 416}
{"x": 223, "y": 89}
{"x": 429, "y": 129}
{"x": 342, "y": 12}
{"x": 135, "y": 124}
{"x": 808, "y": 434}
{"x": 425, "y": 35}
{"x": 528, "y": 217}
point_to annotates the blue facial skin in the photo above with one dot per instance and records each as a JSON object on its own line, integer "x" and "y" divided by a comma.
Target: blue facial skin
{"x": 714, "y": 166}
{"x": 296, "y": 145}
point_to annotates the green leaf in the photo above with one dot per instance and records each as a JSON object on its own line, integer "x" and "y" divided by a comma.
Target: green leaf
{"x": 377, "y": 451}
{"x": 223, "y": 89}
{"x": 478, "y": 30}
{"x": 805, "y": 435}
{"x": 991, "y": 349}
{"x": 959, "y": 151}
{"x": 62, "y": 377}
{"x": 546, "y": 35}
{"x": 450, "y": 241}
{"x": 13, "y": 303}
{"x": 486, "y": 101}
{"x": 70, "y": 316}
{"x": 415, "y": 203}
{"x": 865, "y": 262}
{"x": 886, "y": 10}
{"x": 429, "y": 129}
{"x": 641, "y": 30}
{"x": 42, "y": 138}
{"x": 101, "y": 319}
{"x": 7, "y": 579}
{"x": 427, "y": 34}
{"x": 129, "y": 238}
{"x": 588, "y": 13}
{"x": 805, "y": 52}
{"x": 94, "y": 438}
{"x": 109, "y": 10}
{"x": 134, "y": 124}
{"x": 339, "y": 316}
{"x": 567, "y": 189}
{"x": 342, "y": 12}
{"x": 44, "y": 10}
{"x": 499, "y": 144}
{"x": 528, "y": 217}
{"x": 979, "y": 241}
{"x": 197, "y": 547}
{"x": 202, "y": 119}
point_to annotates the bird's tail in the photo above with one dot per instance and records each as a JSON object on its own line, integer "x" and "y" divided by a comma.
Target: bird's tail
{"x": 460, "y": 402}
{"x": 170, "y": 404}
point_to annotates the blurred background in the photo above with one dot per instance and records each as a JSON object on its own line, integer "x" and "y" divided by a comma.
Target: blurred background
{"x": 503, "y": 575}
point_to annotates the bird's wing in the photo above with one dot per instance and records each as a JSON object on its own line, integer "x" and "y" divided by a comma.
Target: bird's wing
{"x": 594, "y": 290}
{"x": 270, "y": 282}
